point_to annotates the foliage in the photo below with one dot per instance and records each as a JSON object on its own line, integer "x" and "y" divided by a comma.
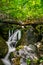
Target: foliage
{"x": 19, "y": 47}
{"x": 22, "y": 9}
{"x": 28, "y": 61}
{"x": 11, "y": 55}
{"x": 39, "y": 28}
{"x": 41, "y": 59}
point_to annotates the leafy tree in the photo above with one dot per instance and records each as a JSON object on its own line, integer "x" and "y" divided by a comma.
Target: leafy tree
{"x": 22, "y": 9}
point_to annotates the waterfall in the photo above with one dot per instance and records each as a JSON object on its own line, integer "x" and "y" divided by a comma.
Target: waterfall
{"x": 11, "y": 42}
{"x": 15, "y": 35}
{"x": 19, "y": 35}
{"x": 12, "y": 31}
{"x": 9, "y": 33}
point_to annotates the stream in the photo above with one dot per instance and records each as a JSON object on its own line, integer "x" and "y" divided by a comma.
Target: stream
{"x": 12, "y": 41}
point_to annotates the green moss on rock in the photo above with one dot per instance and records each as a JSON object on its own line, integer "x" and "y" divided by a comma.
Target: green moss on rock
{"x": 4, "y": 32}
{"x": 11, "y": 55}
{"x": 3, "y": 47}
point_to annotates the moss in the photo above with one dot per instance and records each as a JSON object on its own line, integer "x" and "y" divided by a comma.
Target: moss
{"x": 35, "y": 60}
{"x": 39, "y": 28}
{"x": 19, "y": 43}
{"x": 41, "y": 59}
{"x": 3, "y": 47}
{"x": 20, "y": 47}
{"x": 23, "y": 40}
{"x": 16, "y": 61}
{"x": 1, "y": 63}
{"x": 28, "y": 61}
{"x": 5, "y": 29}
{"x": 4, "y": 32}
{"x": 11, "y": 55}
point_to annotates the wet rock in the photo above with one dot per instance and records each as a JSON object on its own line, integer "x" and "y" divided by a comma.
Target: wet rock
{"x": 33, "y": 47}
{"x": 40, "y": 48}
{"x": 31, "y": 36}
{"x": 41, "y": 63}
{"x": 11, "y": 55}
{"x": 27, "y": 52}
{"x": 4, "y": 31}
{"x": 23, "y": 40}
{"x": 3, "y": 47}
{"x": 16, "y": 61}
{"x": 1, "y": 63}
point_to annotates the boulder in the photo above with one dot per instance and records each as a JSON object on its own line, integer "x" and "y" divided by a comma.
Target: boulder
{"x": 27, "y": 52}
{"x": 3, "y": 47}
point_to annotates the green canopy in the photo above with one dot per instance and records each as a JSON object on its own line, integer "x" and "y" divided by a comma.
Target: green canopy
{"x": 22, "y": 9}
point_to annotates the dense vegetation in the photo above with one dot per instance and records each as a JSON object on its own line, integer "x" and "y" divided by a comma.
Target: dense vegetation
{"x": 22, "y": 9}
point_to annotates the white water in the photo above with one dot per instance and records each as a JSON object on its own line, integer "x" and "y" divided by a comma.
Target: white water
{"x": 12, "y": 40}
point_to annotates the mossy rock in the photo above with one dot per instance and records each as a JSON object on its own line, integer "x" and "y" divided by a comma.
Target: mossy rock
{"x": 4, "y": 32}
{"x": 1, "y": 63}
{"x": 19, "y": 47}
{"x": 11, "y": 55}
{"x": 16, "y": 61}
{"x": 3, "y": 48}
{"x": 28, "y": 61}
{"x": 39, "y": 28}
{"x": 23, "y": 40}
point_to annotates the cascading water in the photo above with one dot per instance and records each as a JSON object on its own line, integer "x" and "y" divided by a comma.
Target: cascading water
{"x": 11, "y": 45}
